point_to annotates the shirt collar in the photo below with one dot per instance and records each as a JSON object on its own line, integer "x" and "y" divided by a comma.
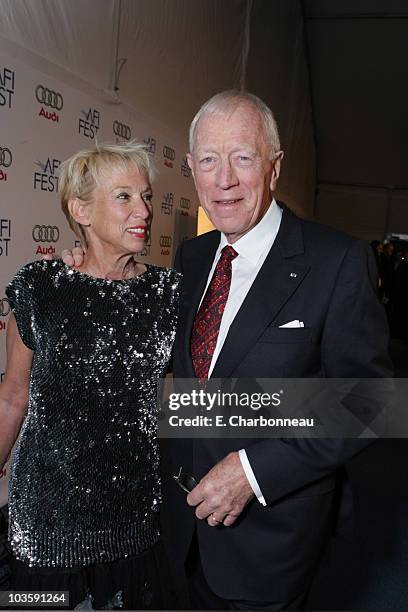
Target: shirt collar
{"x": 253, "y": 244}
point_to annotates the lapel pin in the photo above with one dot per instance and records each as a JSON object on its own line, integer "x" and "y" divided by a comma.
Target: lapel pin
{"x": 293, "y": 275}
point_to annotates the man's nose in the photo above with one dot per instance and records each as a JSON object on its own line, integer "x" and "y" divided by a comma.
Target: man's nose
{"x": 226, "y": 175}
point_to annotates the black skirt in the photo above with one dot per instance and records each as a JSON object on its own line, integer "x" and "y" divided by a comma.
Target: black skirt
{"x": 137, "y": 583}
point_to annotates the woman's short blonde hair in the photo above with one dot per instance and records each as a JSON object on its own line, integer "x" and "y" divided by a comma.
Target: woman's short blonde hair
{"x": 81, "y": 173}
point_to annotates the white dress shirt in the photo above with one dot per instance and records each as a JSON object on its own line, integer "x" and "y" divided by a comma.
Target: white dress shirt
{"x": 252, "y": 250}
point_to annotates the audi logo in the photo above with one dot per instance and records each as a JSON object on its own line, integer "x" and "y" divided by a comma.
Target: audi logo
{"x": 122, "y": 130}
{"x": 5, "y": 157}
{"x": 169, "y": 153}
{"x": 45, "y": 233}
{"x": 4, "y": 307}
{"x": 165, "y": 241}
{"x": 185, "y": 203}
{"x": 48, "y": 97}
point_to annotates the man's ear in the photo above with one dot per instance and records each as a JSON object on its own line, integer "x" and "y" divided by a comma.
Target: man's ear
{"x": 276, "y": 170}
{"x": 190, "y": 163}
{"x": 79, "y": 211}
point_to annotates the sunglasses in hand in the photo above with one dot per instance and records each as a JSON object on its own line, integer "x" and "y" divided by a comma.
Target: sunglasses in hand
{"x": 185, "y": 481}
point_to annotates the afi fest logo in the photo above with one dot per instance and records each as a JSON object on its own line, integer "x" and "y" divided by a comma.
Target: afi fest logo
{"x": 167, "y": 203}
{"x": 5, "y": 237}
{"x": 45, "y": 233}
{"x": 6, "y": 87}
{"x": 150, "y": 146}
{"x": 6, "y": 159}
{"x": 47, "y": 179}
{"x": 169, "y": 155}
{"x": 4, "y": 312}
{"x": 165, "y": 243}
{"x": 89, "y": 123}
{"x": 185, "y": 168}
{"x": 185, "y": 206}
{"x": 122, "y": 131}
{"x": 51, "y": 101}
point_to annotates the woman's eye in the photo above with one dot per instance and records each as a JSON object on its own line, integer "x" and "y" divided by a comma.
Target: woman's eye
{"x": 147, "y": 197}
{"x": 123, "y": 196}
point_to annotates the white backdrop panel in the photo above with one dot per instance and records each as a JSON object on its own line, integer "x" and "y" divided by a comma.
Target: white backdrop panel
{"x": 39, "y": 129}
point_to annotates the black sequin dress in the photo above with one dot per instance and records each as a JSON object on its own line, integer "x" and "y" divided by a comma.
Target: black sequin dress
{"x": 85, "y": 486}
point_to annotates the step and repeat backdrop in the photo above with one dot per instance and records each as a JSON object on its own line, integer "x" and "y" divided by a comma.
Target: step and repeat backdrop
{"x": 42, "y": 122}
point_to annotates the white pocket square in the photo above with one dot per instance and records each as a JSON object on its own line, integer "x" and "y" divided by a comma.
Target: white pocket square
{"x": 295, "y": 323}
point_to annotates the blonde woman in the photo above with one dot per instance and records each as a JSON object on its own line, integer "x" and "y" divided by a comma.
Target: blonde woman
{"x": 86, "y": 347}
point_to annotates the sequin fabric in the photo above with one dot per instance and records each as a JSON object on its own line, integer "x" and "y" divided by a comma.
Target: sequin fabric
{"x": 84, "y": 484}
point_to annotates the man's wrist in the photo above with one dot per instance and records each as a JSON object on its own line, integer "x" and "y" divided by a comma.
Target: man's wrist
{"x": 246, "y": 466}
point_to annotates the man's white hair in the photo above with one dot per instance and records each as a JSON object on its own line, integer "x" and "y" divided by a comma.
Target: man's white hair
{"x": 227, "y": 102}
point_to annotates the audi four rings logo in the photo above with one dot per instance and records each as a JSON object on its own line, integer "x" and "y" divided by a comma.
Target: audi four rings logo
{"x": 122, "y": 130}
{"x": 169, "y": 153}
{"x": 4, "y": 307}
{"x": 45, "y": 233}
{"x": 5, "y": 157}
{"x": 165, "y": 241}
{"x": 48, "y": 97}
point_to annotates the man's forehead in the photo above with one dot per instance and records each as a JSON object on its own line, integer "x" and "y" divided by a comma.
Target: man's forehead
{"x": 241, "y": 123}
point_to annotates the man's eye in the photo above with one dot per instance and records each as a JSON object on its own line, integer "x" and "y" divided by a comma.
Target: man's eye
{"x": 207, "y": 160}
{"x": 244, "y": 159}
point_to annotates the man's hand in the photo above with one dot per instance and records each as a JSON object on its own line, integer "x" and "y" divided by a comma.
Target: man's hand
{"x": 73, "y": 259}
{"x": 223, "y": 493}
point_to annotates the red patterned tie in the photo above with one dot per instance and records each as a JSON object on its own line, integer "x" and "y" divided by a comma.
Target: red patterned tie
{"x": 208, "y": 319}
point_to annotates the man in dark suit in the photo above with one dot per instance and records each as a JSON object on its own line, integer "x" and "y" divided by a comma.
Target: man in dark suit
{"x": 267, "y": 295}
{"x": 290, "y": 299}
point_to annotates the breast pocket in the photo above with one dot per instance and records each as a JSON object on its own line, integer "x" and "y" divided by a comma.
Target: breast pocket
{"x": 287, "y": 335}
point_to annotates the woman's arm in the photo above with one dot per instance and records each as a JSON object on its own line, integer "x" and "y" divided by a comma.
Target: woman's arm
{"x": 14, "y": 390}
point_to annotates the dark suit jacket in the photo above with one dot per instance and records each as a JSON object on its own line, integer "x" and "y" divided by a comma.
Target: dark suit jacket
{"x": 272, "y": 552}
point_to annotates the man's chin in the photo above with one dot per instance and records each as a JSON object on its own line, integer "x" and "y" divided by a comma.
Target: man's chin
{"x": 226, "y": 223}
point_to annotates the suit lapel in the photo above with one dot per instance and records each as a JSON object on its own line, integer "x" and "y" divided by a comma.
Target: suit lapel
{"x": 277, "y": 280}
{"x": 199, "y": 265}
